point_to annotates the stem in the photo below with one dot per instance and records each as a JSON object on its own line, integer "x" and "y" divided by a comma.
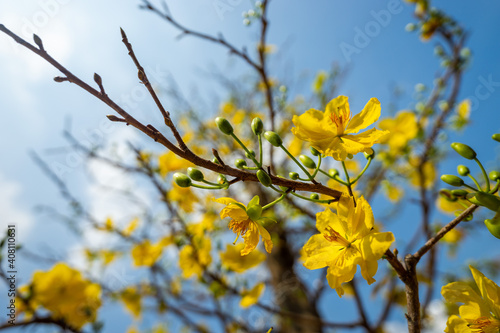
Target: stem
{"x": 208, "y": 187}
{"x": 363, "y": 171}
{"x": 334, "y": 178}
{"x": 269, "y": 205}
{"x": 470, "y": 187}
{"x": 260, "y": 149}
{"x": 495, "y": 189}
{"x": 313, "y": 200}
{"x": 246, "y": 150}
{"x": 317, "y": 168}
{"x": 210, "y": 183}
{"x": 298, "y": 163}
{"x": 475, "y": 181}
{"x": 348, "y": 181}
{"x": 484, "y": 174}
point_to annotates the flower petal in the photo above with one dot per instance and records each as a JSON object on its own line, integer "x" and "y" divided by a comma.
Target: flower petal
{"x": 266, "y": 237}
{"x": 251, "y": 238}
{"x": 489, "y": 290}
{"x": 374, "y": 245}
{"x": 319, "y": 252}
{"x": 369, "y": 115}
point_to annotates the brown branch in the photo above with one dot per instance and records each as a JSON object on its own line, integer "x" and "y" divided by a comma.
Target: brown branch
{"x": 158, "y": 137}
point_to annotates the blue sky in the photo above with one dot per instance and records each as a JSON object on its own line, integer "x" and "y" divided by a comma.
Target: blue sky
{"x": 85, "y": 37}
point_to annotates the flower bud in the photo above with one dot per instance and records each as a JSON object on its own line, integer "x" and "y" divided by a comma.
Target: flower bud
{"x": 224, "y": 125}
{"x": 181, "y": 179}
{"x": 314, "y": 196}
{"x": 489, "y": 201}
{"x": 273, "y": 138}
{"x": 221, "y": 179}
{"x": 293, "y": 175}
{"x": 254, "y": 212}
{"x": 307, "y": 161}
{"x": 215, "y": 160}
{"x": 240, "y": 163}
{"x": 257, "y": 126}
{"x": 195, "y": 174}
{"x": 493, "y": 225}
{"x": 494, "y": 176}
{"x": 471, "y": 197}
{"x": 452, "y": 180}
{"x": 314, "y": 151}
{"x": 252, "y": 154}
{"x": 496, "y": 137}
{"x": 459, "y": 193}
{"x": 463, "y": 170}
{"x": 333, "y": 173}
{"x": 464, "y": 150}
{"x": 370, "y": 154}
{"x": 264, "y": 178}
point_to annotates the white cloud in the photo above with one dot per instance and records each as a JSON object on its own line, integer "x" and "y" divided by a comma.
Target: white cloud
{"x": 11, "y": 210}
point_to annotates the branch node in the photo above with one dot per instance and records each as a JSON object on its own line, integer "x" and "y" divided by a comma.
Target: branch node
{"x": 112, "y": 117}
{"x": 216, "y": 154}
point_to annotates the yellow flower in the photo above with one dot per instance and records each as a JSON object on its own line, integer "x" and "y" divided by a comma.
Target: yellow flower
{"x": 183, "y": 196}
{"x": 193, "y": 258}
{"x": 67, "y": 295}
{"x": 450, "y": 207}
{"x": 132, "y": 300}
{"x": 129, "y": 229}
{"x": 394, "y": 193}
{"x": 346, "y": 239}
{"x": 429, "y": 173}
{"x": 402, "y": 129}
{"x": 170, "y": 162}
{"x": 333, "y": 132}
{"x": 146, "y": 254}
{"x": 233, "y": 259}
{"x": 252, "y": 296}
{"x": 242, "y": 225}
{"x": 479, "y": 312}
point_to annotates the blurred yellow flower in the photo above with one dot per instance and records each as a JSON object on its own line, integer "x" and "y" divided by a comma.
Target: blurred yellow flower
{"x": 146, "y": 254}
{"x": 333, "y": 132}
{"x": 193, "y": 258}
{"x": 429, "y": 173}
{"x": 242, "y": 225}
{"x": 319, "y": 81}
{"x": 402, "y": 129}
{"x": 67, "y": 295}
{"x": 170, "y": 162}
{"x": 480, "y": 312}
{"x": 132, "y": 300}
{"x": 183, "y": 196}
{"x": 233, "y": 260}
{"x": 129, "y": 229}
{"x": 449, "y": 207}
{"x": 394, "y": 193}
{"x": 346, "y": 240}
{"x": 251, "y": 296}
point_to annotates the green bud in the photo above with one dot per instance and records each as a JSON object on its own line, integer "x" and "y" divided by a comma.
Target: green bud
{"x": 221, "y": 179}
{"x": 493, "y": 225}
{"x": 459, "y": 193}
{"x": 181, "y": 179}
{"x": 333, "y": 172}
{"x": 293, "y": 175}
{"x": 350, "y": 156}
{"x": 195, "y": 174}
{"x": 224, "y": 125}
{"x": 464, "y": 150}
{"x": 314, "y": 151}
{"x": 463, "y": 170}
{"x": 411, "y": 27}
{"x": 314, "y": 196}
{"x": 252, "y": 154}
{"x": 489, "y": 201}
{"x": 273, "y": 138}
{"x": 446, "y": 194}
{"x": 240, "y": 163}
{"x": 254, "y": 212}
{"x": 215, "y": 160}
{"x": 452, "y": 180}
{"x": 307, "y": 161}
{"x": 471, "y": 197}
{"x": 257, "y": 126}
{"x": 369, "y": 155}
{"x": 494, "y": 176}
{"x": 264, "y": 178}
{"x": 496, "y": 137}
{"x": 283, "y": 188}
